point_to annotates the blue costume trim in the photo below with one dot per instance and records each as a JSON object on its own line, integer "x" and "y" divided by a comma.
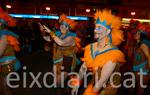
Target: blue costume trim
{"x": 96, "y": 53}
{"x": 141, "y": 66}
{"x": 78, "y": 61}
{"x": 64, "y": 23}
{"x": 17, "y": 65}
{"x": 58, "y": 33}
{"x": 70, "y": 34}
{"x": 138, "y": 67}
{"x": 7, "y": 58}
{"x": 58, "y": 60}
{"x": 91, "y": 48}
{"x": 110, "y": 38}
{"x": 7, "y": 32}
{"x": 147, "y": 42}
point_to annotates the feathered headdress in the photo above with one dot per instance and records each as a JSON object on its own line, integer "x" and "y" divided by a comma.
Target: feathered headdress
{"x": 112, "y": 22}
{"x": 133, "y": 24}
{"x": 5, "y": 18}
{"x": 139, "y": 27}
{"x": 66, "y": 21}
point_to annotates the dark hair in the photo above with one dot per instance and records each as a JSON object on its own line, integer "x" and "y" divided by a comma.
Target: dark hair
{"x": 142, "y": 37}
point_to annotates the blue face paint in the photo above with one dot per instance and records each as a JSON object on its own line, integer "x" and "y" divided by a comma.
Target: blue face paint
{"x": 98, "y": 29}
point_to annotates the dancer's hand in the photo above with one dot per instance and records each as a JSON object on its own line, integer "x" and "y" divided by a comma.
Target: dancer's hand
{"x": 52, "y": 33}
{"x": 41, "y": 27}
{"x": 46, "y": 29}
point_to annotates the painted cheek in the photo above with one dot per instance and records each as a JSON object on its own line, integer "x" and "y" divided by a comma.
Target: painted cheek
{"x": 61, "y": 27}
{"x": 98, "y": 31}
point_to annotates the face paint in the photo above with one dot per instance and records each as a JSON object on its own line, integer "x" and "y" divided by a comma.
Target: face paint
{"x": 64, "y": 23}
{"x": 63, "y": 28}
{"x": 100, "y": 31}
{"x": 98, "y": 28}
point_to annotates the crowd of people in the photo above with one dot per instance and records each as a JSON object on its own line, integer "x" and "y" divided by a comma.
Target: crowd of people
{"x": 102, "y": 47}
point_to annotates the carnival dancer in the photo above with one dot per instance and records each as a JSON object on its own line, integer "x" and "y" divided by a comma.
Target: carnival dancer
{"x": 141, "y": 57}
{"x": 8, "y": 45}
{"x": 103, "y": 57}
{"x": 64, "y": 47}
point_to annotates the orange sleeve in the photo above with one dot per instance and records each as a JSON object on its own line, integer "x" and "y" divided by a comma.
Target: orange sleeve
{"x": 87, "y": 56}
{"x": 13, "y": 42}
{"x": 116, "y": 56}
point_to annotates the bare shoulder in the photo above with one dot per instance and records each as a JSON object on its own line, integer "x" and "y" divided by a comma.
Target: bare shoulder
{"x": 144, "y": 46}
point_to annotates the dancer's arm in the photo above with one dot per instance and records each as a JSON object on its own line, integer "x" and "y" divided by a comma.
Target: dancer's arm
{"x": 83, "y": 69}
{"x": 43, "y": 32}
{"x": 146, "y": 51}
{"x": 47, "y": 38}
{"x": 106, "y": 72}
{"x": 65, "y": 42}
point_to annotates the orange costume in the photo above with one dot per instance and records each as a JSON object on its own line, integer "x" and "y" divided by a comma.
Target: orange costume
{"x": 98, "y": 59}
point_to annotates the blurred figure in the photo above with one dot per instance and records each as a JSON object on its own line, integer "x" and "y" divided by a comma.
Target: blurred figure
{"x": 141, "y": 57}
{"x": 8, "y": 45}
